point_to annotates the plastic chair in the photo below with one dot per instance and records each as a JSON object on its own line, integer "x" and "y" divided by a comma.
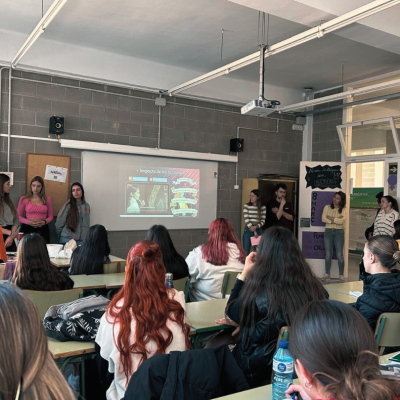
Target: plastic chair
{"x": 387, "y": 331}
{"x": 229, "y": 282}
{"x": 182, "y": 285}
{"x": 44, "y": 300}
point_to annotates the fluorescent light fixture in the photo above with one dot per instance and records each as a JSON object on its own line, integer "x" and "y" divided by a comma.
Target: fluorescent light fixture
{"x": 147, "y": 151}
{"x": 340, "y": 96}
{"x": 40, "y": 28}
{"x": 313, "y": 33}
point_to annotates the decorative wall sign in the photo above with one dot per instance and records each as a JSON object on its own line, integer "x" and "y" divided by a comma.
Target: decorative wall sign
{"x": 318, "y": 201}
{"x": 314, "y": 246}
{"x": 322, "y": 177}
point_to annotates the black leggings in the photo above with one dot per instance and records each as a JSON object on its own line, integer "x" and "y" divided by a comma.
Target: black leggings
{"x": 43, "y": 231}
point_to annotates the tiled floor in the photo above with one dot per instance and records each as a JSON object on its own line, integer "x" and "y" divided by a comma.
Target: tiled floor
{"x": 353, "y": 273}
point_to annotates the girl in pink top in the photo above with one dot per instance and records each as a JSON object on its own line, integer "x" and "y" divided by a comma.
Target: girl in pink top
{"x": 35, "y": 210}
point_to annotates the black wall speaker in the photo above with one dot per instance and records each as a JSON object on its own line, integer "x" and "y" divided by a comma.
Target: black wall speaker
{"x": 56, "y": 125}
{"x": 237, "y": 145}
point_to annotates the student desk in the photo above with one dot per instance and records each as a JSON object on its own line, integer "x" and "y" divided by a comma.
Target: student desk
{"x": 70, "y": 351}
{"x": 116, "y": 263}
{"x": 86, "y": 282}
{"x": 201, "y": 316}
{"x": 110, "y": 281}
{"x": 345, "y": 287}
{"x": 344, "y": 298}
{"x": 265, "y": 392}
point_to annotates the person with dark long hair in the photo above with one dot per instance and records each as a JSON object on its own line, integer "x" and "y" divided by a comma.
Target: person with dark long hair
{"x": 34, "y": 271}
{"x": 35, "y": 210}
{"x": 396, "y": 231}
{"x": 208, "y": 263}
{"x": 336, "y": 355}
{"x": 275, "y": 283}
{"x": 73, "y": 219}
{"x": 27, "y": 369}
{"x": 334, "y": 215}
{"x": 389, "y": 213}
{"x": 254, "y": 214}
{"x": 8, "y": 214}
{"x": 90, "y": 257}
{"x": 144, "y": 318}
{"x": 382, "y": 282}
{"x": 172, "y": 260}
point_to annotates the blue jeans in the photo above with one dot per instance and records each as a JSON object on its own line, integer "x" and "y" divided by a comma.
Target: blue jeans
{"x": 334, "y": 237}
{"x": 247, "y": 234}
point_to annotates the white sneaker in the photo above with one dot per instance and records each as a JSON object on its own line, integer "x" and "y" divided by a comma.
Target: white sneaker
{"x": 326, "y": 278}
{"x": 341, "y": 278}
{"x": 73, "y": 381}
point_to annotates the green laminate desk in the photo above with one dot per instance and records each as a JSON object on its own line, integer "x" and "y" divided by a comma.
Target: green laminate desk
{"x": 265, "y": 392}
{"x": 110, "y": 281}
{"x": 345, "y": 287}
{"x": 116, "y": 264}
{"x": 70, "y": 351}
{"x": 86, "y": 282}
{"x": 342, "y": 297}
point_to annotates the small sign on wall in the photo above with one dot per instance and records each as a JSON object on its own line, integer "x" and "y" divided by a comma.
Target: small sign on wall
{"x": 314, "y": 246}
{"x": 10, "y": 174}
{"x": 323, "y": 177}
{"x": 56, "y": 174}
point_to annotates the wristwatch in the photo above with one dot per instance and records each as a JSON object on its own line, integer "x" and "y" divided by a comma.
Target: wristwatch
{"x": 241, "y": 277}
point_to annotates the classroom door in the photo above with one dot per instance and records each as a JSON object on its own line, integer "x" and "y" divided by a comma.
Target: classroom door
{"x": 318, "y": 182}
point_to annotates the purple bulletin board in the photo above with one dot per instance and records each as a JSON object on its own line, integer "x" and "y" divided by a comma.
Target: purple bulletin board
{"x": 318, "y": 201}
{"x": 314, "y": 247}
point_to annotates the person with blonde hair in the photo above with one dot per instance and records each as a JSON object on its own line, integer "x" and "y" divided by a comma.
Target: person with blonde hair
{"x": 27, "y": 370}
{"x": 35, "y": 210}
{"x": 336, "y": 356}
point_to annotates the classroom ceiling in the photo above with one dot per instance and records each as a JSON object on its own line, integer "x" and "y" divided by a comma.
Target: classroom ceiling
{"x": 187, "y": 34}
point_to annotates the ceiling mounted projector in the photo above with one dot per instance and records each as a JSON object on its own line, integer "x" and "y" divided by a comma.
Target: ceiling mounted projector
{"x": 261, "y": 107}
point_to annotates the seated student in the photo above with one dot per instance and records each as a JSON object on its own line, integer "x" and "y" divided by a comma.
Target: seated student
{"x": 336, "y": 356}
{"x": 275, "y": 283}
{"x": 34, "y": 271}
{"x": 396, "y": 231}
{"x": 90, "y": 257}
{"x": 27, "y": 369}
{"x": 382, "y": 284}
{"x": 209, "y": 262}
{"x": 144, "y": 318}
{"x": 172, "y": 260}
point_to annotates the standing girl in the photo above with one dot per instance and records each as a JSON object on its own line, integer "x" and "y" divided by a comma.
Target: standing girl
{"x": 254, "y": 214}
{"x": 35, "y": 210}
{"x": 8, "y": 214}
{"x": 73, "y": 220}
{"x": 389, "y": 213}
{"x": 334, "y": 216}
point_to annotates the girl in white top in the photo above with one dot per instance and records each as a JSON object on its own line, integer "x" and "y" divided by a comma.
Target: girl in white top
{"x": 209, "y": 262}
{"x": 385, "y": 219}
{"x": 143, "y": 319}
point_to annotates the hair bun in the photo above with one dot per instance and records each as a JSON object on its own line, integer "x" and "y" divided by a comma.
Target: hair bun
{"x": 396, "y": 256}
{"x": 150, "y": 252}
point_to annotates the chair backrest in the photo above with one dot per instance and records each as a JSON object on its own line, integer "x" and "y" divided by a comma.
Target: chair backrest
{"x": 44, "y": 300}
{"x": 229, "y": 282}
{"x": 387, "y": 330}
{"x": 182, "y": 285}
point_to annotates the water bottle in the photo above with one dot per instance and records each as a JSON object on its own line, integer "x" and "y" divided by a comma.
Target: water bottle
{"x": 283, "y": 364}
{"x": 168, "y": 280}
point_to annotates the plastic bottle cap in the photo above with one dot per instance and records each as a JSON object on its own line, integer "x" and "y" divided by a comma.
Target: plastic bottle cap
{"x": 284, "y": 344}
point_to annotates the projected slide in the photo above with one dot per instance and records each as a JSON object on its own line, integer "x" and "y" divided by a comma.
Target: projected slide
{"x": 161, "y": 191}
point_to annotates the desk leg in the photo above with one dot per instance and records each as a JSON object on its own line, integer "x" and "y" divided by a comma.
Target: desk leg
{"x": 83, "y": 370}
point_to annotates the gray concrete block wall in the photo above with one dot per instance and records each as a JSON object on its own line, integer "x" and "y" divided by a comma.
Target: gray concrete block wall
{"x": 325, "y": 142}
{"x": 109, "y": 114}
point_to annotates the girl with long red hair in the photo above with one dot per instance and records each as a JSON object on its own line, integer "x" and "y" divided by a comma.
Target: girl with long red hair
{"x": 208, "y": 263}
{"x": 144, "y": 318}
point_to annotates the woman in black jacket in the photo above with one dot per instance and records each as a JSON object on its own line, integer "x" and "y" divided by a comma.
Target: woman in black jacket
{"x": 382, "y": 285}
{"x": 275, "y": 283}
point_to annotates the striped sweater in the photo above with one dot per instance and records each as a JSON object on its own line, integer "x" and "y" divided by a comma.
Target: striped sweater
{"x": 383, "y": 224}
{"x": 250, "y": 215}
